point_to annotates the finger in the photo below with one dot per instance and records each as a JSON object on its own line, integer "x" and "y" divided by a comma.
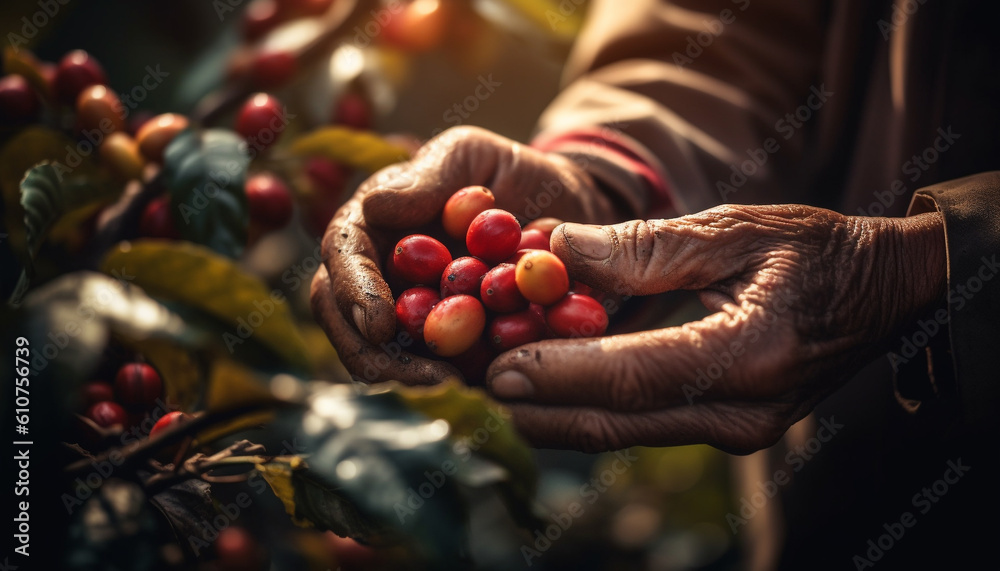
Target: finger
{"x": 731, "y": 427}
{"x": 638, "y": 371}
{"x": 413, "y": 194}
{"x": 367, "y": 362}
{"x": 358, "y": 287}
{"x": 646, "y": 257}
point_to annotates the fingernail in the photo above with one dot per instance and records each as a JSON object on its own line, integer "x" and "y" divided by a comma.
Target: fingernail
{"x": 359, "y": 319}
{"x": 588, "y": 241}
{"x": 512, "y": 385}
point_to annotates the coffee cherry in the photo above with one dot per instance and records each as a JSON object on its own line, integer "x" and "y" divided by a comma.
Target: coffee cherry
{"x": 546, "y": 225}
{"x": 515, "y": 329}
{"x": 421, "y": 259}
{"x": 260, "y": 17}
{"x": 107, "y": 414}
{"x": 493, "y": 235}
{"x": 120, "y": 153}
{"x": 272, "y": 69}
{"x": 97, "y": 391}
{"x": 260, "y": 120}
{"x": 454, "y": 325}
{"x": 577, "y": 315}
{"x": 419, "y": 27}
{"x": 269, "y": 201}
{"x": 533, "y": 240}
{"x": 463, "y": 207}
{"x": 237, "y": 550}
{"x": 138, "y": 385}
{"x": 541, "y": 277}
{"x": 99, "y": 109}
{"x": 499, "y": 290}
{"x": 157, "y": 133}
{"x": 473, "y": 362}
{"x": 169, "y": 420}
{"x": 77, "y": 70}
{"x": 19, "y": 103}
{"x": 412, "y": 307}
{"x": 326, "y": 177}
{"x": 157, "y": 220}
{"x": 353, "y": 111}
{"x": 463, "y": 276}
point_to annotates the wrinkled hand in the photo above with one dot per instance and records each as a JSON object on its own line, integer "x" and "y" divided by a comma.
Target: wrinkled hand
{"x": 349, "y": 295}
{"x": 803, "y": 298}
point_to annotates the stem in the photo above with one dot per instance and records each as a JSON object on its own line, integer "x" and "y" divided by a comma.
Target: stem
{"x": 131, "y": 455}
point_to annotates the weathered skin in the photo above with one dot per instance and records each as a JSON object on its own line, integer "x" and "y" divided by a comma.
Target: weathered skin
{"x": 802, "y": 298}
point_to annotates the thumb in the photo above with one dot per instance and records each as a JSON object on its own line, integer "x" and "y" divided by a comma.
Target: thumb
{"x": 643, "y": 257}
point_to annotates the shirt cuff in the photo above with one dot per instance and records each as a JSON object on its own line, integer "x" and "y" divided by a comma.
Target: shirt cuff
{"x": 619, "y": 164}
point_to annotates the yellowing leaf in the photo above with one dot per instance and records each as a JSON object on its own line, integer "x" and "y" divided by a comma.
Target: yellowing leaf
{"x": 361, "y": 149}
{"x": 279, "y": 477}
{"x": 250, "y": 313}
{"x": 559, "y": 18}
{"x": 234, "y": 385}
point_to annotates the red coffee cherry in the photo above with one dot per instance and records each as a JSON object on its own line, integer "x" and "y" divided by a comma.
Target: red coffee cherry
{"x": 107, "y": 414}
{"x": 77, "y": 70}
{"x": 19, "y": 103}
{"x": 545, "y": 225}
{"x": 499, "y": 290}
{"x": 97, "y": 391}
{"x": 269, "y": 201}
{"x": 533, "y": 240}
{"x": 493, "y": 235}
{"x": 541, "y": 277}
{"x": 169, "y": 420}
{"x": 463, "y": 207}
{"x": 577, "y": 315}
{"x": 412, "y": 307}
{"x": 421, "y": 259}
{"x": 261, "y": 120}
{"x": 463, "y": 275}
{"x": 515, "y": 329}
{"x": 157, "y": 220}
{"x": 454, "y": 325}
{"x": 138, "y": 384}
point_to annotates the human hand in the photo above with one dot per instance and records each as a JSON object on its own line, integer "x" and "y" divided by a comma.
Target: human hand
{"x": 350, "y": 298}
{"x": 803, "y": 298}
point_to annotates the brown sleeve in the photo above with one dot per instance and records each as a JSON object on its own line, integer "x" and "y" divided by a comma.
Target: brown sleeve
{"x": 696, "y": 87}
{"x": 962, "y": 362}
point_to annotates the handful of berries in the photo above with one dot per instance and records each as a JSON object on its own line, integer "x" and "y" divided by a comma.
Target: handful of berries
{"x": 508, "y": 291}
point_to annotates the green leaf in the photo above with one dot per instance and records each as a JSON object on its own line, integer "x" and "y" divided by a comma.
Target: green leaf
{"x": 361, "y": 149}
{"x": 250, "y": 314}
{"x": 46, "y": 197}
{"x": 358, "y": 444}
{"x": 205, "y": 172}
{"x": 25, "y": 150}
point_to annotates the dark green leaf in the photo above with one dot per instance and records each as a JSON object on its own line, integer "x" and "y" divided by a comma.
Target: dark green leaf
{"x": 375, "y": 470}
{"x": 189, "y": 510}
{"x": 205, "y": 172}
{"x": 46, "y": 196}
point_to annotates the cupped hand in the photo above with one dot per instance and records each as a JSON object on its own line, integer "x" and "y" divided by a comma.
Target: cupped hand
{"x": 350, "y": 297}
{"x": 802, "y": 299}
